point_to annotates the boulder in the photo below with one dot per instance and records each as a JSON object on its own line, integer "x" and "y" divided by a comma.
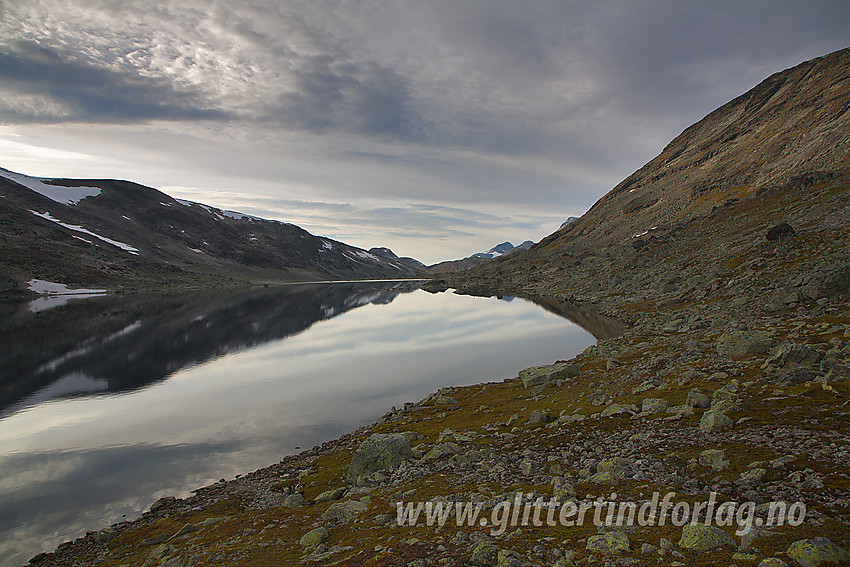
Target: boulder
{"x": 617, "y": 409}
{"x": 538, "y": 416}
{"x": 537, "y": 375}
{"x": 715, "y": 421}
{"x": 713, "y": 458}
{"x": 654, "y": 405}
{"x": 740, "y": 342}
{"x": 611, "y": 543}
{"x": 817, "y": 551}
{"x": 700, "y": 537}
{"x": 330, "y": 495}
{"x": 442, "y": 450}
{"x": 696, "y": 399}
{"x": 379, "y": 452}
{"x": 294, "y": 501}
{"x": 313, "y": 538}
{"x": 344, "y": 512}
{"x": 612, "y": 471}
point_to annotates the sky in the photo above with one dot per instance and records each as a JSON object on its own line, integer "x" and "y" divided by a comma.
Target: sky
{"x": 438, "y": 128}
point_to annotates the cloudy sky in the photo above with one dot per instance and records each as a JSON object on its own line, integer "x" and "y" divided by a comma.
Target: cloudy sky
{"x": 437, "y": 127}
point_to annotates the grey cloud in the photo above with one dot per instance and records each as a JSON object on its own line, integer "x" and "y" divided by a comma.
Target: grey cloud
{"x": 341, "y": 96}
{"x": 82, "y": 92}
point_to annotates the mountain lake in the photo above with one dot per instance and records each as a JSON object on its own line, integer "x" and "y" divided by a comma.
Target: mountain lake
{"x": 111, "y": 402}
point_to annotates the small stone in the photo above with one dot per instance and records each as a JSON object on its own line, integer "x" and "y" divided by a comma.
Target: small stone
{"x": 772, "y": 562}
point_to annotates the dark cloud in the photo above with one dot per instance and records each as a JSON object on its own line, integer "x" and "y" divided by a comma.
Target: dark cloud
{"x": 45, "y": 87}
{"x": 358, "y": 98}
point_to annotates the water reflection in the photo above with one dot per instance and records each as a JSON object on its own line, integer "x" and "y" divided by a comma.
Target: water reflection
{"x": 117, "y": 344}
{"x": 170, "y": 394}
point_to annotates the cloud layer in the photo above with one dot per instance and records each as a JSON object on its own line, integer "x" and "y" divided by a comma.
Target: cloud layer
{"x": 398, "y": 95}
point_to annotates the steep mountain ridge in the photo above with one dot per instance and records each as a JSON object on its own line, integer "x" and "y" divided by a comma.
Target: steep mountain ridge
{"x": 794, "y": 123}
{"x": 118, "y": 234}
{"x": 697, "y": 215}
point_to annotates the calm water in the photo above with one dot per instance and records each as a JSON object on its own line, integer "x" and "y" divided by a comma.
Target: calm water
{"x": 107, "y": 404}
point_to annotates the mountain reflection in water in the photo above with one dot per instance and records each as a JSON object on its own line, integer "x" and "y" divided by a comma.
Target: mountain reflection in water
{"x": 110, "y": 403}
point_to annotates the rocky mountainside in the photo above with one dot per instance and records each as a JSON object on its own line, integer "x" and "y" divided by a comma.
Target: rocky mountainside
{"x": 697, "y": 215}
{"x": 121, "y": 235}
{"x": 728, "y": 392}
{"x": 478, "y": 258}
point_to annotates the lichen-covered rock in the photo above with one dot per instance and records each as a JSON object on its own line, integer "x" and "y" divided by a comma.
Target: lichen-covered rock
{"x": 330, "y": 495}
{"x": 713, "y": 458}
{"x": 445, "y": 401}
{"x": 294, "y": 501}
{"x": 313, "y": 538}
{"x": 715, "y": 421}
{"x": 611, "y": 543}
{"x": 772, "y": 562}
{"x": 754, "y": 474}
{"x": 537, "y": 375}
{"x": 485, "y": 554}
{"x": 617, "y": 409}
{"x": 696, "y": 399}
{"x": 654, "y": 405}
{"x": 612, "y": 471}
{"x": 816, "y": 551}
{"x": 700, "y": 537}
{"x": 538, "y": 416}
{"x": 344, "y": 512}
{"x": 562, "y": 490}
{"x": 379, "y": 452}
{"x": 442, "y": 450}
{"x": 742, "y": 342}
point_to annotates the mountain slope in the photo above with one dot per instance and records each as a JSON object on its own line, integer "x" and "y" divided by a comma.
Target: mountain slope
{"x": 118, "y": 234}
{"x": 696, "y": 217}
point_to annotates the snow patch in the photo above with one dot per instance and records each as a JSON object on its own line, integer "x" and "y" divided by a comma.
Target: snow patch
{"x": 58, "y": 193}
{"x": 327, "y": 245}
{"x": 196, "y": 250}
{"x": 57, "y": 294}
{"x": 366, "y": 255}
{"x": 78, "y": 228}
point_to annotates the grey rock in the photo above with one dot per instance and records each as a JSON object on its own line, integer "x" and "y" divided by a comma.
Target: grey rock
{"x": 715, "y": 421}
{"x": 294, "y": 501}
{"x": 817, "y": 551}
{"x": 313, "y": 538}
{"x": 737, "y": 343}
{"x": 654, "y": 405}
{"x": 702, "y": 538}
{"x": 379, "y": 452}
{"x": 538, "y": 375}
{"x": 696, "y": 399}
